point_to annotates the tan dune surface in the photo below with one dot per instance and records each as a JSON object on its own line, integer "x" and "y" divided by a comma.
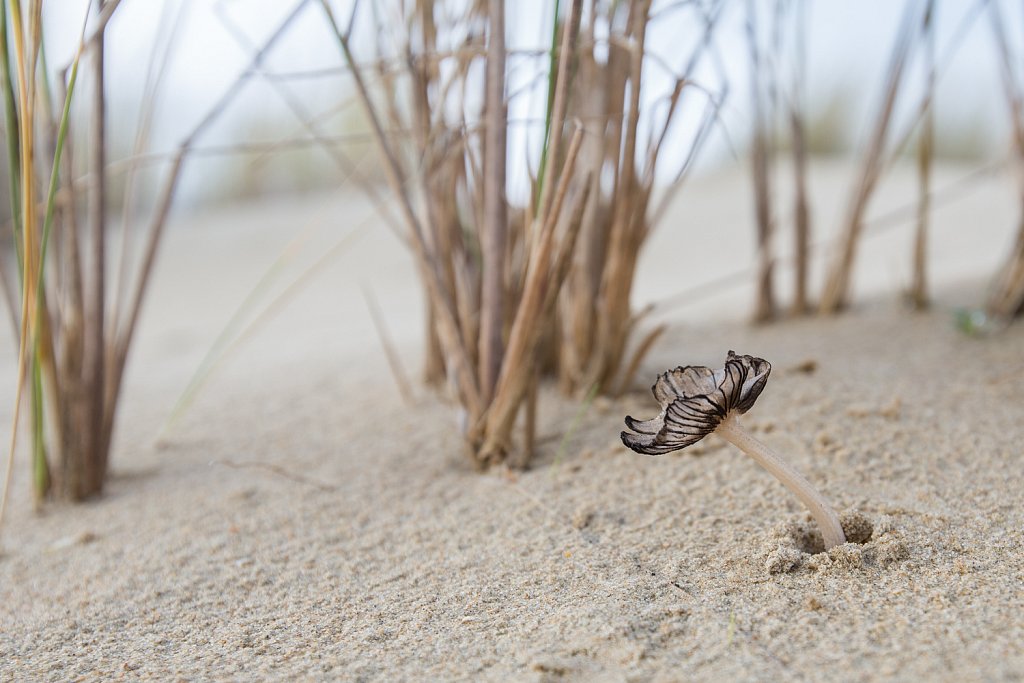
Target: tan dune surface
{"x": 300, "y": 522}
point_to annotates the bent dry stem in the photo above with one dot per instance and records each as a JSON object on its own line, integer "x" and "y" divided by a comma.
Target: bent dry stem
{"x": 831, "y": 530}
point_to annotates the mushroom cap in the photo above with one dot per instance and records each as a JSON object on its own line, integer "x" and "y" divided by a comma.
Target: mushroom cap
{"x": 694, "y": 401}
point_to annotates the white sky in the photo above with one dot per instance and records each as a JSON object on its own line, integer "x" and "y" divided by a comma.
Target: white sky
{"x": 848, "y": 49}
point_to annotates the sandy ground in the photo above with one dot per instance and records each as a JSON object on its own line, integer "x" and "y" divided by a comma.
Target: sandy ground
{"x": 301, "y": 522}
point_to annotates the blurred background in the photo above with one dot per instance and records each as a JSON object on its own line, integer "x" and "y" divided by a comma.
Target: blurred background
{"x": 210, "y": 44}
{"x": 434, "y": 181}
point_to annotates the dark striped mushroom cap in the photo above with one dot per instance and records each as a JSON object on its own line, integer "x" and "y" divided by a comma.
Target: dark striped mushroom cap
{"x": 694, "y": 401}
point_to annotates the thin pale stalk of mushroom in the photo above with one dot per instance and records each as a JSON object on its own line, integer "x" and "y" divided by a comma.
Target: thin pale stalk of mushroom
{"x": 697, "y": 401}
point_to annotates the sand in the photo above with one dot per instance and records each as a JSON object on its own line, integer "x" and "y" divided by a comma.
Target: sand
{"x": 300, "y": 522}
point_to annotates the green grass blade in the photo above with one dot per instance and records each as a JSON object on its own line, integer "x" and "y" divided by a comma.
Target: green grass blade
{"x": 43, "y": 82}
{"x": 233, "y": 334}
{"x": 40, "y": 466}
{"x": 552, "y": 77}
{"x": 577, "y": 419}
{"x": 230, "y": 331}
{"x": 58, "y": 153}
{"x": 11, "y": 132}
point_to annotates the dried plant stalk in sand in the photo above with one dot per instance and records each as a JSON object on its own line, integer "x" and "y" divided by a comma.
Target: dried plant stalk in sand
{"x": 697, "y": 401}
{"x": 75, "y": 331}
{"x": 493, "y": 272}
{"x": 838, "y": 279}
{"x": 596, "y": 322}
{"x": 919, "y": 286}
{"x": 487, "y": 312}
{"x": 917, "y": 30}
{"x": 1006, "y": 298}
{"x": 27, "y": 123}
{"x": 801, "y": 208}
{"x": 551, "y": 258}
{"x": 762, "y": 168}
{"x": 495, "y": 233}
{"x": 89, "y": 437}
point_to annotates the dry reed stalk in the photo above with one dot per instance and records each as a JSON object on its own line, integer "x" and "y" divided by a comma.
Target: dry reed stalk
{"x": 546, "y": 269}
{"x": 394, "y": 359}
{"x": 25, "y": 82}
{"x": 494, "y": 236}
{"x": 450, "y": 338}
{"x": 837, "y": 283}
{"x": 801, "y": 208}
{"x": 579, "y": 300}
{"x": 638, "y": 356}
{"x": 37, "y": 353}
{"x": 559, "y": 103}
{"x": 596, "y": 321}
{"x": 120, "y": 342}
{"x": 493, "y": 273}
{"x": 1006, "y": 298}
{"x": 894, "y": 219}
{"x": 801, "y": 218}
{"x": 919, "y": 286}
{"x": 934, "y": 67}
{"x": 92, "y": 456}
{"x": 75, "y": 353}
{"x": 71, "y": 323}
{"x": 465, "y": 252}
{"x": 628, "y": 227}
{"x": 762, "y": 169}
{"x": 155, "y": 72}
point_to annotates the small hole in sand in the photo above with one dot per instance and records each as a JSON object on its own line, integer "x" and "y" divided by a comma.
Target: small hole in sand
{"x": 806, "y": 536}
{"x": 796, "y": 546}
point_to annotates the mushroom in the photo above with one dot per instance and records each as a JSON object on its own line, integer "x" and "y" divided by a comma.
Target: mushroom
{"x": 696, "y": 401}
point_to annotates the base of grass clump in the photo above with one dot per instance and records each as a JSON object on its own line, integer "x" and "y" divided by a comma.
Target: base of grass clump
{"x": 797, "y": 546}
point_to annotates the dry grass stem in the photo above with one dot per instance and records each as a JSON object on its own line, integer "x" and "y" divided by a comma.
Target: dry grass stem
{"x": 546, "y": 267}
{"x": 398, "y": 373}
{"x": 76, "y": 331}
{"x": 801, "y": 205}
{"x": 837, "y": 281}
{"x": 443, "y": 305}
{"x": 762, "y": 165}
{"x": 919, "y": 286}
{"x": 1006, "y": 298}
{"x": 494, "y": 235}
{"x": 517, "y": 292}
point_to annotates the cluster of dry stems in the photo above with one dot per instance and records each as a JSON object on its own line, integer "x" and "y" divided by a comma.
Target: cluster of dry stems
{"x": 540, "y": 288}
{"x": 74, "y": 325}
{"x": 516, "y": 290}
{"x": 774, "y": 96}
{"x": 74, "y": 322}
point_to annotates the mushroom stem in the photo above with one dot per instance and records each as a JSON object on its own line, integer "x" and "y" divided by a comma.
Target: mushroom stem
{"x": 827, "y": 519}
